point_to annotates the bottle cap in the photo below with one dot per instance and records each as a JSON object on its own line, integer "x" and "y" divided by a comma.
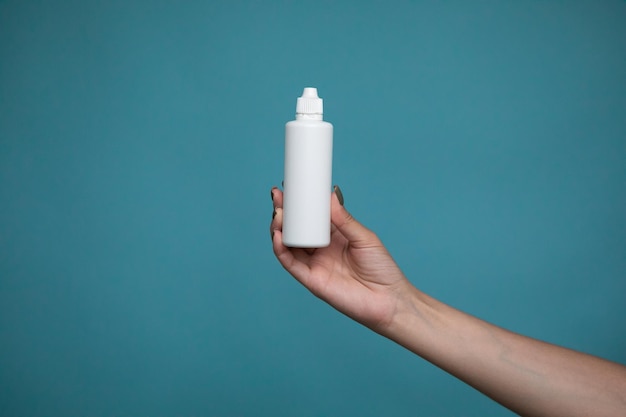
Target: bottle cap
{"x": 310, "y": 103}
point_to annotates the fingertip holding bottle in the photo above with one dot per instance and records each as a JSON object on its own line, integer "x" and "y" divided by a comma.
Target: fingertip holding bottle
{"x": 339, "y": 194}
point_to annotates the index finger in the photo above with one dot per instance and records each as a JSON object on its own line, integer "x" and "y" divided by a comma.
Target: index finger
{"x": 277, "y": 197}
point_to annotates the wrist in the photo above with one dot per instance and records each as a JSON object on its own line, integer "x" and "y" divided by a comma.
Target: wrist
{"x": 415, "y": 318}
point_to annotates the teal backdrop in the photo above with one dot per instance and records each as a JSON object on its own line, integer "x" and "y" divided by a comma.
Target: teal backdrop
{"x": 485, "y": 142}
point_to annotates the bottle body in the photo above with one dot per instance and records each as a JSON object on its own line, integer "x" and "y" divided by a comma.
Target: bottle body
{"x": 307, "y": 183}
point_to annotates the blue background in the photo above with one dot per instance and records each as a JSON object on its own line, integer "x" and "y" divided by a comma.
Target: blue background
{"x": 485, "y": 142}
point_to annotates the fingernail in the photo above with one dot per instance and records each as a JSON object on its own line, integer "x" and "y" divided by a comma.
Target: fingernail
{"x": 339, "y": 194}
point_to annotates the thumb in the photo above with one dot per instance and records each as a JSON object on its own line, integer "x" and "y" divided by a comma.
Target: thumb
{"x": 355, "y": 232}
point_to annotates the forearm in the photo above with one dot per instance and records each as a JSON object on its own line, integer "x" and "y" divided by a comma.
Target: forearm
{"x": 526, "y": 375}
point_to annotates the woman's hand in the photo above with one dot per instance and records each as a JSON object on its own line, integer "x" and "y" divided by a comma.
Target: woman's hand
{"x": 357, "y": 276}
{"x": 355, "y": 273}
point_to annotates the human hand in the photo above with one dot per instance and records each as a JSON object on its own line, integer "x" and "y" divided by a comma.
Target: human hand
{"x": 355, "y": 274}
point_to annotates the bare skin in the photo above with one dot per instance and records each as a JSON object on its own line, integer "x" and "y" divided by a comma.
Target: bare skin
{"x": 357, "y": 276}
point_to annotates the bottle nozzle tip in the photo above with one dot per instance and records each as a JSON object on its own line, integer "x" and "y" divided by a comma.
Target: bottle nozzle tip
{"x": 310, "y": 92}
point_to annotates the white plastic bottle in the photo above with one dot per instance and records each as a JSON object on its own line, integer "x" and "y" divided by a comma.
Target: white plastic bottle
{"x": 308, "y": 171}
